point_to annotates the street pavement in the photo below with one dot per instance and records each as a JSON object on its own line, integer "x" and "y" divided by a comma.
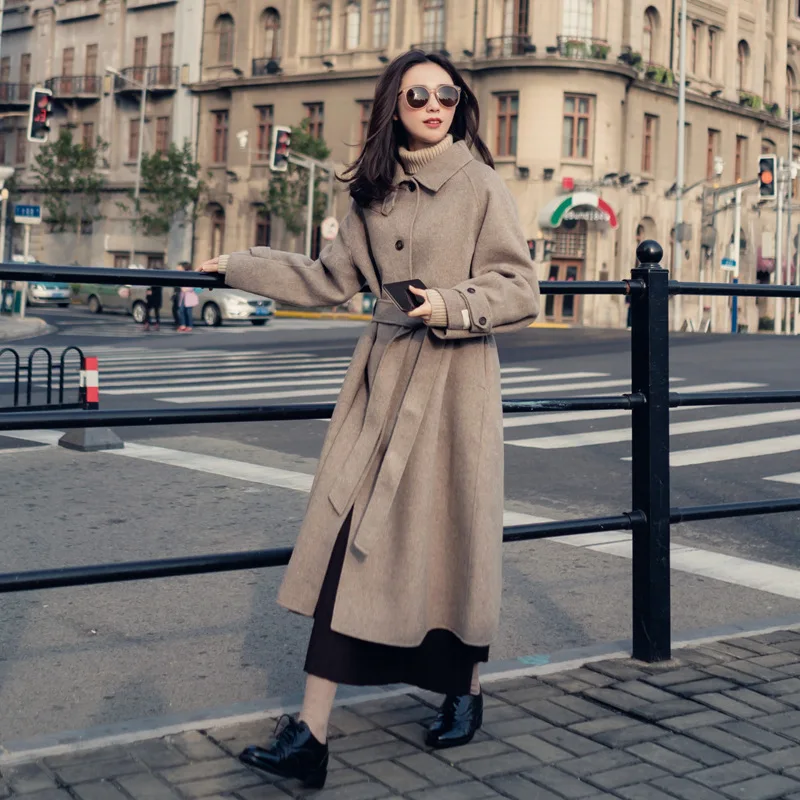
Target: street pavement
{"x": 138, "y": 650}
{"x": 718, "y": 722}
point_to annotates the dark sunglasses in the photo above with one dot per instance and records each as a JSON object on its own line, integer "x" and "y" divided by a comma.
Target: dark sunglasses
{"x": 417, "y": 96}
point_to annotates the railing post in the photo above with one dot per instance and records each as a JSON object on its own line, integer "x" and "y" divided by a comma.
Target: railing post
{"x": 650, "y": 464}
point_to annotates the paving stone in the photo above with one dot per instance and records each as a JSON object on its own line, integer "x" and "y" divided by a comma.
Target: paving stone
{"x": 686, "y": 789}
{"x": 619, "y": 670}
{"x": 681, "y": 676}
{"x": 520, "y": 788}
{"x": 728, "y": 705}
{"x": 5, "y": 789}
{"x": 411, "y": 732}
{"x": 360, "y": 740}
{"x": 584, "y": 675}
{"x": 196, "y": 746}
{"x": 202, "y": 769}
{"x": 433, "y": 769}
{"x": 780, "y": 759}
{"x": 536, "y": 692}
{"x": 28, "y": 778}
{"x": 379, "y": 752}
{"x": 515, "y": 727}
{"x": 504, "y": 764}
{"x": 349, "y": 723}
{"x": 596, "y": 726}
{"x": 559, "y": 782}
{"x": 144, "y": 786}
{"x": 261, "y": 793}
{"x": 342, "y": 777}
{"x": 368, "y": 790}
{"x": 643, "y": 791}
{"x": 701, "y": 686}
{"x": 234, "y": 738}
{"x": 749, "y": 668}
{"x": 691, "y": 721}
{"x": 755, "y": 646}
{"x": 701, "y": 658}
{"x": 400, "y": 716}
{"x": 616, "y": 699}
{"x": 583, "y": 707}
{"x": 99, "y": 790}
{"x": 632, "y": 734}
{"x": 777, "y": 659}
{"x": 503, "y": 712}
{"x": 543, "y": 751}
{"x": 675, "y": 707}
{"x": 767, "y": 787}
{"x": 553, "y": 713}
{"x": 473, "y": 790}
{"x": 652, "y": 694}
{"x": 691, "y": 748}
{"x": 779, "y": 687}
{"x": 97, "y": 770}
{"x": 81, "y": 757}
{"x": 398, "y": 777}
{"x": 370, "y": 707}
{"x": 156, "y": 754}
{"x": 728, "y": 649}
{"x": 525, "y": 682}
{"x": 654, "y": 753}
{"x": 476, "y": 750}
{"x": 220, "y": 784}
{"x": 734, "y": 675}
{"x": 571, "y": 685}
{"x": 790, "y": 647}
{"x": 598, "y": 762}
{"x": 47, "y": 794}
{"x": 757, "y": 700}
{"x": 714, "y": 777}
{"x": 723, "y": 740}
{"x": 779, "y": 722}
{"x": 790, "y": 669}
{"x": 573, "y": 742}
{"x": 794, "y": 733}
{"x": 753, "y": 733}
{"x": 626, "y": 776}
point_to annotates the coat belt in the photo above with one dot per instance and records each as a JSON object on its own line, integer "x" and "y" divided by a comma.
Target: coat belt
{"x": 428, "y": 356}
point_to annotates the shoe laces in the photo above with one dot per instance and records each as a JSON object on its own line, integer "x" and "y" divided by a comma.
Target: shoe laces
{"x": 285, "y": 737}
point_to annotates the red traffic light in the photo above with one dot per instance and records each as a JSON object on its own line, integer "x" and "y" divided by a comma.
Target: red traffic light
{"x": 39, "y": 117}
{"x": 279, "y": 153}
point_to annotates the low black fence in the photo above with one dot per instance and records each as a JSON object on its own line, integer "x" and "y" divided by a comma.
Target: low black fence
{"x": 11, "y": 384}
{"x": 649, "y": 402}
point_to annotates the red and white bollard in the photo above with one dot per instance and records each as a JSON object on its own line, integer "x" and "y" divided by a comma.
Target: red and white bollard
{"x": 90, "y": 382}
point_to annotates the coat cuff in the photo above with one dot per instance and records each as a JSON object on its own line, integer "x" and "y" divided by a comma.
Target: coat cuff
{"x": 458, "y": 316}
{"x": 223, "y": 264}
{"x": 438, "y": 317}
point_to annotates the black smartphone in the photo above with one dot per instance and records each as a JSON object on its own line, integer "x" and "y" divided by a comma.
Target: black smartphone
{"x": 400, "y": 295}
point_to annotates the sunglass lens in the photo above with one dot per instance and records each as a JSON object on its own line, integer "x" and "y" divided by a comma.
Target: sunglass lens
{"x": 448, "y": 96}
{"x": 417, "y": 96}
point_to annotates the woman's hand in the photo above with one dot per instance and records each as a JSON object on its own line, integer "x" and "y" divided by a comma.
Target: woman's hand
{"x": 425, "y": 310}
{"x": 209, "y": 266}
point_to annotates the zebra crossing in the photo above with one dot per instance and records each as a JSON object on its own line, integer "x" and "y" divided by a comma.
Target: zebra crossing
{"x": 207, "y": 376}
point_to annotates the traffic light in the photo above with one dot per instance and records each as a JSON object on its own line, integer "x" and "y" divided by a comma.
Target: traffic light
{"x": 279, "y": 152}
{"x": 39, "y": 116}
{"x": 767, "y": 169}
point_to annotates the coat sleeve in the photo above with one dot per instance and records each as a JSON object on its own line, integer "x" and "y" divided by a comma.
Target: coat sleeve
{"x": 291, "y": 278}
{"x": 502, "y": 292}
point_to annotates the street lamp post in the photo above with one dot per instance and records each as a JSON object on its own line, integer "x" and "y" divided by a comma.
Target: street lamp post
{"x": 143, "y": 86}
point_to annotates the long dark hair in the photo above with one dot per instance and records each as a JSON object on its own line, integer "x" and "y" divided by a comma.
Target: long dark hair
{"x": 371, "y": 174}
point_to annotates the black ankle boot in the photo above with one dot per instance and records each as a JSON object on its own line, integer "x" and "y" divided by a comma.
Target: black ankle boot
{"x": 295, "y": 753}
{"x": 457, "y": 721}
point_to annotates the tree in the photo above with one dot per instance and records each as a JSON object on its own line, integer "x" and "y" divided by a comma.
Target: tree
{"x": 66, "y": 175}
{"x": 170, "y": 185}
{"x": 288, "y": 191}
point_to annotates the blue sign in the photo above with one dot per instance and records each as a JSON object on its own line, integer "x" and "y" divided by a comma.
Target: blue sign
{"x": 28, "y": 214}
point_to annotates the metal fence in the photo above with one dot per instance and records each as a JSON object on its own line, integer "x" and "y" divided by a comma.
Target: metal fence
{"x": 649, "y": 401}
{"x": 27, "y": 373}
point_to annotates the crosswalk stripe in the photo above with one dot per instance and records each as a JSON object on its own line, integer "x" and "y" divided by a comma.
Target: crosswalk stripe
{"x": 205, "y": 367}
{"x": 791, "y": 477}
{"x": 572, "y": 387}
{"x": 216, "y": 387}
{"x": 731, "y": 452}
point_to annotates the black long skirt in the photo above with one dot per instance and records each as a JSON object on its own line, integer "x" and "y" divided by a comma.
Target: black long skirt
{"x": 441, "y": 663}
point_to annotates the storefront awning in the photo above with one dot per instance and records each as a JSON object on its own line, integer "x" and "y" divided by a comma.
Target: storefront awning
{"x": 578, "y": 206}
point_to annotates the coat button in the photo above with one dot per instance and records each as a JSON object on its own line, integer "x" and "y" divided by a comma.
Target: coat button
{"x": 471, "y": 290}
{"x": 482, "y": 321}
{"x": 398, "y": 245}
{"x": 412, "y": 187}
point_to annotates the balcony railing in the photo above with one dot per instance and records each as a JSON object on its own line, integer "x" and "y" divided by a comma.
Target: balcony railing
{"x": 75, "y": 85}
{"x": 508, "y": 46}
{"x": 431, "y": 47}
{"x": 266, "y": 66}
{"x": 17, "y": 93}
{"x": 131, "y": 79}
{"x": 583, "y": 47}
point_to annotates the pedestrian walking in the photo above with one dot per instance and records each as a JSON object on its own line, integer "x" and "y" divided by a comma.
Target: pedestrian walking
{"x": 187, "y": 302}
{"x": 398, "y": 559}
{"x": 176, "y": 298}
{"x": 154, "y": 297}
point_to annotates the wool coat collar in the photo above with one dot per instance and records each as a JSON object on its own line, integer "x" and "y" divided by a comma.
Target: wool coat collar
{"x": 436, "y": 173}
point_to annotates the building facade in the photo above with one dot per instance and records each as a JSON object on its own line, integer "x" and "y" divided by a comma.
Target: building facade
{"x": 95, "y": 56}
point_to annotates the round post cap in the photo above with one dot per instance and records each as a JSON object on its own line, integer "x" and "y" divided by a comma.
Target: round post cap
{"x": 649, "y": 253}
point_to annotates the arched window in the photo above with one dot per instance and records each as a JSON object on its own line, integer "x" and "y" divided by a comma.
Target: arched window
{"x": 433, "y": 23}
{"x": 768, "y": 147}
{"x": 323, "y": 28}
{"x": 217, "y": 216}
{"x": 380, "y": 24}
{"x": 743, "y": 66}
{"x": 650, "y": 35}
{"x": 578, "y": 21}
{"x": 791, "y": 89}
{"x": 224, "y": 28}
{"x": 352, "y": 25}
{"x": 271, "y": 27}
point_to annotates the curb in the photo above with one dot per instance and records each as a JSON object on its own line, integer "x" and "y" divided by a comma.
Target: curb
{"x": 336, "y": 315}
{"x": 123, "y": 733}
{"x": 11, "y": 330}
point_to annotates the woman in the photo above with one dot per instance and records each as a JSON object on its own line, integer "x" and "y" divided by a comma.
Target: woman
{"x": 399, "y": 556}
{"x": 187, "y": 302}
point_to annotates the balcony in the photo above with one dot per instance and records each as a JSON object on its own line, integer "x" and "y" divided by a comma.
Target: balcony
{"x": 15, "y": 94}
{"x": 266, "y": 66}
{"x": 509, "y": 46}
{"x": 582, "y": 47}
{"x": 75, "y": 87}
{"x": 431, "y": 47}
{"x": 72, "y": 10}
{"x": 157, "y": 79}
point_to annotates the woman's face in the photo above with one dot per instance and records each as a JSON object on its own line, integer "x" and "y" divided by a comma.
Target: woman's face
{"x": 428, "y": 125}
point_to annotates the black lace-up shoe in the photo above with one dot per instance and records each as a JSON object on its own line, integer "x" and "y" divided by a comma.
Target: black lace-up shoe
{"x": 295, "y": 753}
{"x": 457, "y": 721}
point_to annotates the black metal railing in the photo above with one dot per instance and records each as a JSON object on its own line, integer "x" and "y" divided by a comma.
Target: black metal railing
{"x": 75, "y": 85}
{"x": 583, "y": 47}
{"x": 15, "y": 93}
{"x": 650, "y": 518}
{"x": 508, "y": 46}
{"x": 131, "y": 79}
{"x": 32, "y": 375}
{"x": 266, "y": 66}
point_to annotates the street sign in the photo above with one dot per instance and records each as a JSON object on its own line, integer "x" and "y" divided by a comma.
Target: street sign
{"x": 728, "y": 263}
{"x": 329, "y": 229}
{"x": 27, "y": 214}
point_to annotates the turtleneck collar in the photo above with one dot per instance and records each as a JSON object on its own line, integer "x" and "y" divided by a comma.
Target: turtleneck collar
{"x": 414, "y": 160}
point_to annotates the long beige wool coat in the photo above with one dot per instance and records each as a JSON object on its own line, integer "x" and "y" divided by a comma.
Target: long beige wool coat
{"x": 415, "y": 445}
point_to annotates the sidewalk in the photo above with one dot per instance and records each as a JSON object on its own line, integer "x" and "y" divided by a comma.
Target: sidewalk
{"x": 15, "y": 328}
{"x": 720, "y": 721}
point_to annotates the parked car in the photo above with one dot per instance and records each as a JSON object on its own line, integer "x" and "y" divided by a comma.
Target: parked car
{"x": 49, "y": 294}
